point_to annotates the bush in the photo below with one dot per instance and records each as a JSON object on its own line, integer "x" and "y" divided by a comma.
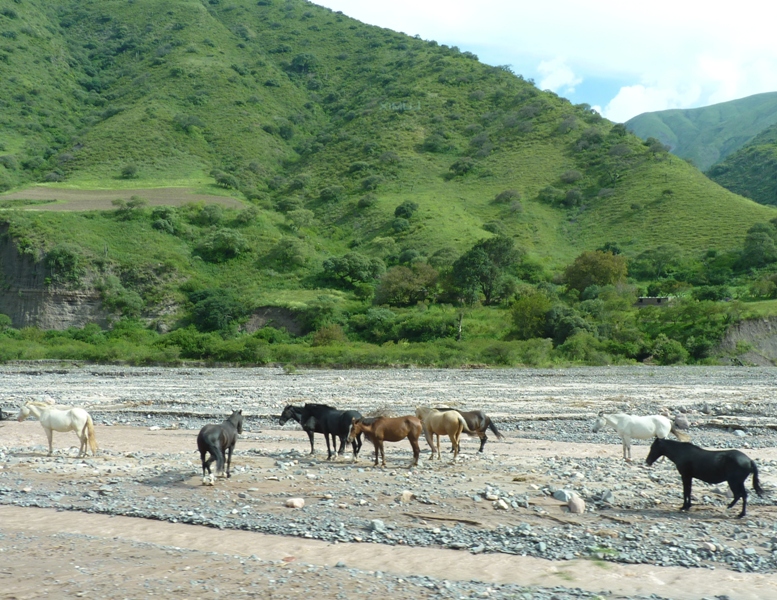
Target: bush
{"x": 353, "y": 268}
{"x": 571, "y": 176}
{"x": 129, "y": 172}
{"x": 506, "y": 197}
{"x": 462, "y": 166}
{"x": 403, "y": 286}
{"x": 399, "y": 225}
{"x": 215, "y": 309}
{"x": 64, "y": 264}
{"x": 331, "y": 193}
{"x": 223, "y": 245}
{"x": 367, "y": 201}
{"x": 328, "y": 335}
{"x": 669, "y": 352}
{"x": 406, "y": 209}
{"x": 529, "y": 314}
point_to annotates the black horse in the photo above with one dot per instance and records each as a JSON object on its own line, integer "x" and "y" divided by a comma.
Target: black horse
{"x": 327, "y": 420}
{"x": 478, "y": 423}
{"x": 218, "y": 440}
{"x": 711, "y": 466}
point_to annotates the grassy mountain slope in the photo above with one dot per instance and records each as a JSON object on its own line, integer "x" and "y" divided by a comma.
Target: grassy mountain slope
{"x": 752, "y": 170}
{"x": 322, "y": 126}
{"x": 708, "y": 135}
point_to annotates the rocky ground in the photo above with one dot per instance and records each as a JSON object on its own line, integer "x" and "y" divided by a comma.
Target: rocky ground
{"x": 490, "y": 525}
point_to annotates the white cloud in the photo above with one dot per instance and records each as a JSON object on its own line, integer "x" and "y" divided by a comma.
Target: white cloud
{"x": 697, "y": 57}
{"x": 557, "y": 76}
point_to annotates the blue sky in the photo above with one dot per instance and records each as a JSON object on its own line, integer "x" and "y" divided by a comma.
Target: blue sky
{"x": 620, "y": 56}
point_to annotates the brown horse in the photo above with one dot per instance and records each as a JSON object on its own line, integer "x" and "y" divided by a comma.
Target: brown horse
{"x": 388, "y": 429}
{"x": 436, "y": 422}
{"x": 478, "y": 423}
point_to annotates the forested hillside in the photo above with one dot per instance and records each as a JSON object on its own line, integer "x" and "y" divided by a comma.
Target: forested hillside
{"x": 752, "y": 170}
{"x": 390, "y": 185}
{"x": 709, "y": 134}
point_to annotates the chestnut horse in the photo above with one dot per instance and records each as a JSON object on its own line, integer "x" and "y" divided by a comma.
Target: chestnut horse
{"x": 436, "y": 422}
{"x": 388, "y": 429}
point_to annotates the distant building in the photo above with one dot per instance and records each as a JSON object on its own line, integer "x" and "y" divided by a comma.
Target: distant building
{"x": 652, "y": 301}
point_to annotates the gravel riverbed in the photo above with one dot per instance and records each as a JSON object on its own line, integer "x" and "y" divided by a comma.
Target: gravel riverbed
{"x": 508, "y": 501}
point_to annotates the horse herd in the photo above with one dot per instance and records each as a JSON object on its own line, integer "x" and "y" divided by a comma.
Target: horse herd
{"x": 218, "y": 440}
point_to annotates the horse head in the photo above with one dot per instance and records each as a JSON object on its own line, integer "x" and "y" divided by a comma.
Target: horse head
{"x": 599, "y": 423}
{"x": 24, "y": 412}
{"x": 236, "y": 418}
{"x": 656, "y": 451}
{"x": 354, "y": 430}
{"x": 288, "y": 413}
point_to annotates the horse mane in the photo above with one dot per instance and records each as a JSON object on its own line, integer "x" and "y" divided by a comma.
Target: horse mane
{"x": 369, "y": 420}
{"x": 316, "y": 405}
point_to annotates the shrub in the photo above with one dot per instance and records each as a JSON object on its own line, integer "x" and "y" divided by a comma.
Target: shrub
{"x": 400, "y": 224}
{"x": 595, "y": 267}
{"x": 406, "y": 209}
{"x": 353, "y": 268}
{"x": 331, "y": 193}
{"x": 462, "y": 166}
{"x": 406, "y": 286}
{"x": 571, "y": 176}
{"x": 328, "y": 335}
{"x": 129, "y": 172}
{"x": 215, "y": 309}
{"x": 222, "y": 245}
{"x": 64, "y": 265}
{"x": 669, "y": 352}
{"x": 367, "y": 201}
{"x": 506, "y": 197}
{"x": 529, "y": 314}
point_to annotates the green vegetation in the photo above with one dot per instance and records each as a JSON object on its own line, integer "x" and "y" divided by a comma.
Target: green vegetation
{"x": 751, "y": 171}
{"x": 403, "y": 203}
{"x": 708, "y": 135}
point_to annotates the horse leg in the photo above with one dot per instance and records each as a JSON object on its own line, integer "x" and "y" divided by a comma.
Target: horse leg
{"x": 328, "y": 449}
{"x": 229, "y": 459}
{"x": 382, "y": 455}
{"x": 416, "y": 451}
{"x": 687, "y": 481}
{"x": 739, "y": 491}
{"x": 377, "y": 451}
{"x": 483, "y": 440}
{"x": 627, "y": 448}
{"x": 310, "y": 436}
{"x": 50, "y": 436}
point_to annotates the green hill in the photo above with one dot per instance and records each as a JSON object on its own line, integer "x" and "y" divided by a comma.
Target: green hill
{"x": 751, "y": 171}
{"x": 708, "y": 135}
{"x": 321, "y": 127}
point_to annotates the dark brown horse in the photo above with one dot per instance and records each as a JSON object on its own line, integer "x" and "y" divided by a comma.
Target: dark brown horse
{"x": 388, "y": 429}
{"x": 478, "y": 423}
{"x": 218, "y": 441}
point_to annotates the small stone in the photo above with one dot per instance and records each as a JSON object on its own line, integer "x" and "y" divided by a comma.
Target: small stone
{"x": 501, "y": 505}
{"x": 378, "y": 525}
{"x": 295, "y": 503}
{"x": 406, "y": 496}
{"x": 739, "y": 433}
{"x": 708, "y": 546}
{"x": 576, "y": 505}
{"x": 562, "y": 495}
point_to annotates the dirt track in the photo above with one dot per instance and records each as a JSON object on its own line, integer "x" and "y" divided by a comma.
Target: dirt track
{"x": 72, "y": 200}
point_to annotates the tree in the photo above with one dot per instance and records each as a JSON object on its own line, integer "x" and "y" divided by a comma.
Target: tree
{"x": 595, "y": 268}
{"x": 406, "y": 286}
{"x": 482, "y": 269}
{"x": 529, "y": 314}
{"x": 353, "y": 268}
{"x": 657, "y": 262}
{"x": 215, "y": 309}
{"x": 222, "y": 245}
{"x": 760, "y": 248}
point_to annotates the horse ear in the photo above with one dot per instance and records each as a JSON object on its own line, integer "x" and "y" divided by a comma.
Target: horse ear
{"x": 240, "y": 412}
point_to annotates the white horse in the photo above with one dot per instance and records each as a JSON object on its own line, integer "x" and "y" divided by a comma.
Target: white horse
{"x": 639, "y": 428}
{"x": 62, "y": 419}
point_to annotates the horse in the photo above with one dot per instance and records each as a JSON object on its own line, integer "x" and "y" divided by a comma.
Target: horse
{"x": 320, "y": 418}
{"x": 477, "y": 423}
{"x": 62, "y": 419}
{"x": 331, "y": 422}
{"x": 218, "y": 440}
{"x": 388, "y": 429}
{"x": 710, "y": 466}
{"x": 640, "y": 428}
{"x": 435, "y": 422}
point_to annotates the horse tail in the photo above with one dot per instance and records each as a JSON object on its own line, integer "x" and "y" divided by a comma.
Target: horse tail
{"x": 89, "y": 428}
{"x": 464, "y": 427}
{"x": 683, "y": 437}
{"x": 756, "y": 484}
{"x": 493, "y": 428}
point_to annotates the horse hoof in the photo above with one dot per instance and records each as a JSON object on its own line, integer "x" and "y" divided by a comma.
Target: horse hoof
{"x": 207, "y": 481}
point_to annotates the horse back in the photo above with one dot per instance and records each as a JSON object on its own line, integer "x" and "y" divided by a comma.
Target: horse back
{"x": 713, "y": 466}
